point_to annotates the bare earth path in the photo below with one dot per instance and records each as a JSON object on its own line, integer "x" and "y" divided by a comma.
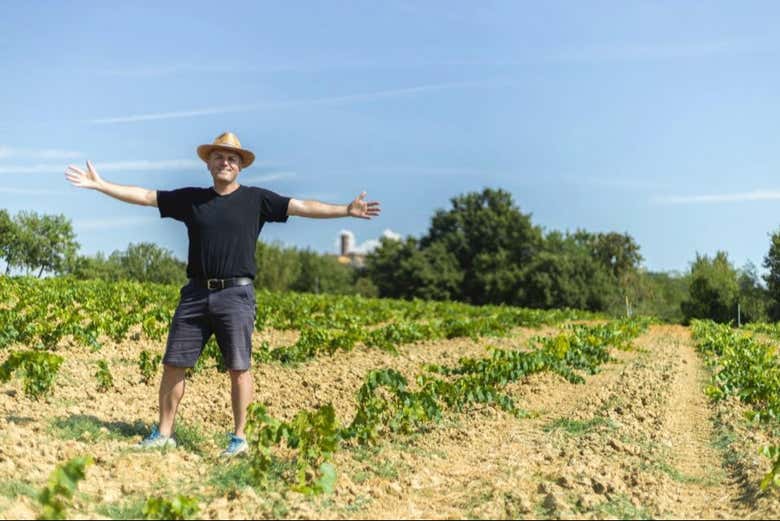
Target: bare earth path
{"x": 635, "y": 441}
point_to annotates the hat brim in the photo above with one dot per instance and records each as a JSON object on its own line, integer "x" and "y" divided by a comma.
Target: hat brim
{"x": 247, "y": 157}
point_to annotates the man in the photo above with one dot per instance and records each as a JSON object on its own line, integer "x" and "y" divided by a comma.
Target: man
{"x": 223, "y": 223}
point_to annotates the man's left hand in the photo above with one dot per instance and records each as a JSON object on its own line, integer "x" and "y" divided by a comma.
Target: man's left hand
{"x": 362, "y": 209}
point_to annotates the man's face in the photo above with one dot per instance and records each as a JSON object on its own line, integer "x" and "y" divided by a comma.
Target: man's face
{"x": 224, "y": 165}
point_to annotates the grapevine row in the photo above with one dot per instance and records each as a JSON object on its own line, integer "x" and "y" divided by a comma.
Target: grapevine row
{"x": 385, "y": 403}
{"x": 746, "y": 368}
{"x": 41, "y": 313}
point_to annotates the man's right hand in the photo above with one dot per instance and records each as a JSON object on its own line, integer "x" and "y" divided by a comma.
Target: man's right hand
{"x": 91, "y": 179}
{"x": 78, "y": 177}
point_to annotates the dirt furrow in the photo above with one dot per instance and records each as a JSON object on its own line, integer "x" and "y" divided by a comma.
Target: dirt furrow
{"x": 37, "y": 435}
{"x": 635, "y": 441}
{"x": 703, "y": 487}
{"x": 482, "y": 464}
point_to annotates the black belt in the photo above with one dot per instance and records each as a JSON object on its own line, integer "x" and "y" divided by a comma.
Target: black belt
{"x": 215, "y": 284}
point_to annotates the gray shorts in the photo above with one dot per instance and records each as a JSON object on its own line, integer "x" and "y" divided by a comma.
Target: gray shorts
{"x": 227, "y": 313}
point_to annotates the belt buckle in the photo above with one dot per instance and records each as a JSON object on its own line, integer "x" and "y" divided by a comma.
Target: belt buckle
{"x": 209, "y": 281}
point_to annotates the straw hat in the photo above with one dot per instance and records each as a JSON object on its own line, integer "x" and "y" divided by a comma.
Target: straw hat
{"x": 227, "y": 141}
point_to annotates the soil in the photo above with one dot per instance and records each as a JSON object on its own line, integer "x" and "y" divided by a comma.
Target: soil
{"x": 639, "y": 439}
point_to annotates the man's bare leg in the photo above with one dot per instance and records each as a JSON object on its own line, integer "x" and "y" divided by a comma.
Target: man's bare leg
{"x": 241, "y": 394}
{"x": 171, "y": 392}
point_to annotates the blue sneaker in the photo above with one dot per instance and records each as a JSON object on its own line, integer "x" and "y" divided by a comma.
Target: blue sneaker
{"x": 156, "y": 441}
{"x": 235, "y": 447}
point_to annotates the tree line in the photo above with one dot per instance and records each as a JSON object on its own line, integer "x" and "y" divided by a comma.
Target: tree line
{"x": 481, "y": 250}
{"x": 46, "y": 244}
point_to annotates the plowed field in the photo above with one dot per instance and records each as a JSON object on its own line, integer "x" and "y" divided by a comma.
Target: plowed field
{"x": 638, "y": 440}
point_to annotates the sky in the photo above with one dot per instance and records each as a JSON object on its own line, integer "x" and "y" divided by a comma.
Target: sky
{"x": 657, "y": 119}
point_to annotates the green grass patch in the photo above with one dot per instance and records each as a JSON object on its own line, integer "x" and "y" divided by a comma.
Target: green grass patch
{"x": 220, "y": 439}
{"x": 578, "y": 427}
{"x": 620, "y": 506}
{"x": 131, "y": 508}
{"x": 375, "y": 465}
{"x": 189, "y": 437}
{"x": 712, "y": 480}
{"x": 13, "y": 488}
{"x": 479, "y": 499}
{"x": 90, "y": 428}
{"x": 723, "y": 438}
{"x": 655, "y": 462}
{"x": 363, "y": 453}
{"x": 361, "y": 476}
{"x": 387, "y": 469}
{"x": 228, "y": 478}
{"x": 357, "y": 505}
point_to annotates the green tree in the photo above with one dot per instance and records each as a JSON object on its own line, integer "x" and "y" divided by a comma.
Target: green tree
{"x": 9, "y": 248}
{"x": 753, "y": 296}
{"x": 282, "y": 269}
{"x": 567, "y": 274}
{"x": 323, "y": 274}
{"x": 277, "y": 267}
{"x": 618, "y": 255}
{"x": 432, "y": 273}
{"x": 402, "y": 269}
{"x": 47, "y": 242}
{"x": 618, "y": 252}
{"x": 147, "y": 262}
{"x": 144, "y": 262}
{"x": 364, "y": 285}
{"x": 772, "y": 278}
{"x": 383, "y": 266}
{"x": 94, "y": 267}
{"x": 714, "y": 289}
{"x": 495, "y": 255}
{"x": 499, "y": 278}
{"x": 480, "y": 225}
{"x": 660, "y": 294}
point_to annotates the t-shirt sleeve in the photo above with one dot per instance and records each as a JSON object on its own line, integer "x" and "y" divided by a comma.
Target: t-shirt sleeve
{"x": 273, "y": 207}
{"x": 176, "y": 204}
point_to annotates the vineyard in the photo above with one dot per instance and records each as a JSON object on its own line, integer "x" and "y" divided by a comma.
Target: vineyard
{"x": 369, "y": 408}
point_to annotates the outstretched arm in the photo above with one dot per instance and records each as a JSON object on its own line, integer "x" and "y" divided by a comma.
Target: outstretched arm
{"x": 357, "y": 208}
{"x": 91, "y": 179}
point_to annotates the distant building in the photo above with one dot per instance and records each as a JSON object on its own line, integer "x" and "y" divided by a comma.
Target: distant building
{"x": 347, "y": 255}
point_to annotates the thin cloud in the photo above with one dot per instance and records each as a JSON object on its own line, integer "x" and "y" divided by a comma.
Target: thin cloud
{"x": 650, "y": 52}
{"x": 265, "y": 178}
{"x": 112, "y": 224}
{"x": 349, "y": 98}
{"x": 615, "y": 182}
{"x": 36, "y": 153}
{"x": 109, "y": 166}
{"x": 757, "y": 195}
{"x": 145, "y": 165}
{"x": 32, "y": 169}
{"x": 182, "y": 68}
{"x": 29, "y": 191}
{"x": 166, "y": 70}
{"x": 583, "y": 53}
{"x": 430, "y": 171}
{"x": 174, "y": 115}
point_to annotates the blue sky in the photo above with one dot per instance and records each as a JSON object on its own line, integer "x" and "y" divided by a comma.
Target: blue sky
{"x": 659, "y": 119}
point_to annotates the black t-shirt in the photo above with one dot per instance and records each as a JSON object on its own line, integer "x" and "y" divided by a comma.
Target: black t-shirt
{"x": 223, "y": 229}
